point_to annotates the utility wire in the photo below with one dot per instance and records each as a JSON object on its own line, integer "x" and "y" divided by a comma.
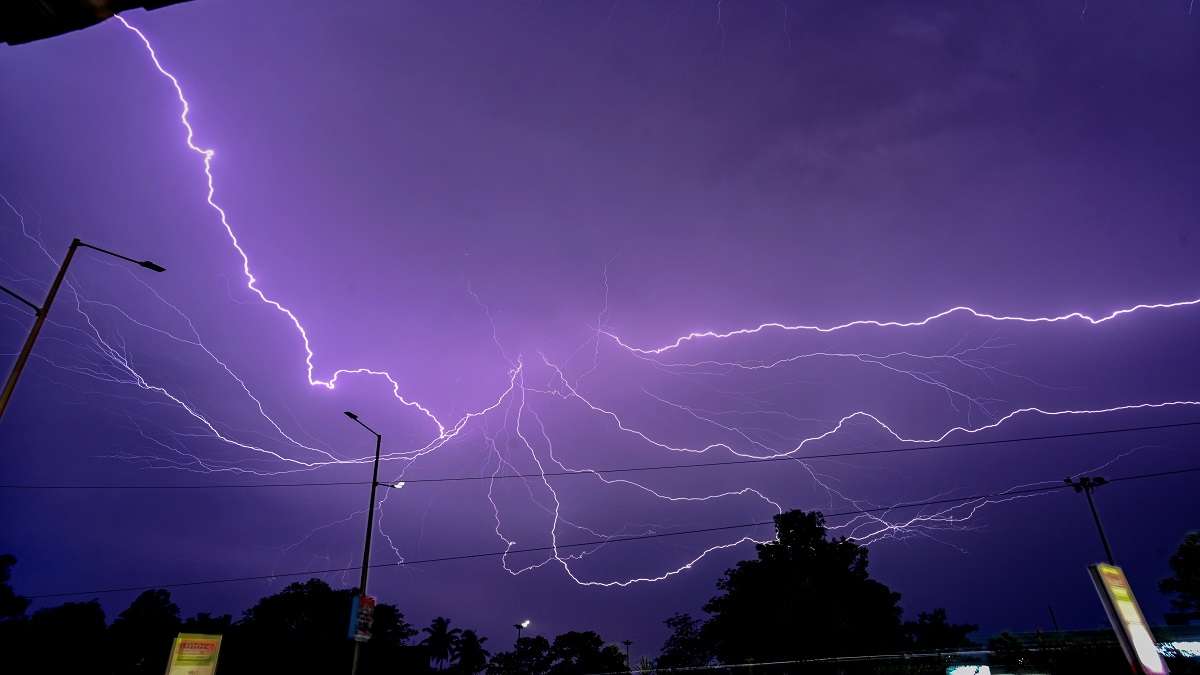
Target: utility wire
{"x": 599, "y": 542}
{"x": 168, "y": 486}
{"x": 636, "y": 469}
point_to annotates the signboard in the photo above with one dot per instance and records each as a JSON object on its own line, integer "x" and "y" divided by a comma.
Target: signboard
{"x": 1127, "y": 620}
{"x": 194, "y": 654}
{"x": 362, "y": 615}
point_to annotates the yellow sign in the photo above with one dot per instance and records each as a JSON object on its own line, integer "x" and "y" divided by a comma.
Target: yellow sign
{"x": 1127, "y": 620}
{"x": 194, "y": 654}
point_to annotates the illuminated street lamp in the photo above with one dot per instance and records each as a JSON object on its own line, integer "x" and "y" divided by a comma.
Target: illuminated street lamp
{"x": 366, "y": 561}
{"x": 520, "y": 627}
{"x": 44, "y": 310}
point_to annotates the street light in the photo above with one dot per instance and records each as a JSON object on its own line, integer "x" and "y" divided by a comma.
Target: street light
{"x": 520, "y": 627}
{"x": 366, "y": 561}
{"x": 1087, "y": 485}
{"x": 44, "y": 310}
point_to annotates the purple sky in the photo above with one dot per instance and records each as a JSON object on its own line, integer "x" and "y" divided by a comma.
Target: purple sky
{"x": 728, "y": 164}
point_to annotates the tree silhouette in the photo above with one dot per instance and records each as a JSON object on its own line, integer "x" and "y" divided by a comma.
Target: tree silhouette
{"x": 1185, "y": 582}
{"x": 469, "y": 654}
{"x": 12, "y": 606}
{"x": 207, "y": 624}
{"x": 572, "y": 653}
{"x": 440, "y": 639}
{"x": 578, "y": 653}
{"x": 686, "y": 646}
{"x": 389, "y": 627}
{"x": 931, "y": 631}
{"x": 303, "y": 628}
{"x": 531, "y": 656}
{"x": 804, "y": 596}
{"x": 140, "y": 638}
{"x": 81, "y": 623}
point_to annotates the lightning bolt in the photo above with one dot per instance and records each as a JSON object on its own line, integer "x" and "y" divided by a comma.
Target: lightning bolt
{"x": 524, "y": 437}
{"x": 874, "y": 323}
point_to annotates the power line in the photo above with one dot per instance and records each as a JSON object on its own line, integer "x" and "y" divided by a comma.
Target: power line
{"x": 167, "y": 486}
{"x": 599, "y": 542}
{"x": 636, "y": 469}
{"x": 831, "y": 455}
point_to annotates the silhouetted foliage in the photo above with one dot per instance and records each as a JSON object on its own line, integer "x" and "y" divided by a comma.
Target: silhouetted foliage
{"x": 572, "y": 653}
{"x": 440, "y": 639}
{"x": 207, "y": 624}
{"x": 82, "y": 623}
{"x": 1185, "y": 582}
{"x": 305, "y": 628}
{"x": 140, "y": 638}
{"x": 931, "y": 632}
{"x": 804, "y": 596}
{"x": 531, "y": 656}
{"x": 12, "y": 606}
{"x": 686, "y": 646}
{"x": 577, "y": 653}
{"x": 469, "y": 654}
{"x": 302, "y": 627}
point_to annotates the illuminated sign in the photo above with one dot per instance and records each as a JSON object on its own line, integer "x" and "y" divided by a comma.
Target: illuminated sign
{"x": 194, "y": 654}
{"x": 1127, "y": 620}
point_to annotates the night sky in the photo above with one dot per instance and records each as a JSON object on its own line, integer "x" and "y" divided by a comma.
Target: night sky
{"x": 500, "y": 203}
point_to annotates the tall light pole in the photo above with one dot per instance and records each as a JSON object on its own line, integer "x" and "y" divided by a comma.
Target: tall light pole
{"x": 627, "y": 643}
{"x": 1087, "y": 485}
{"x": 366, "y": 561}
{"x": 520, "y": 626}
{"x": 44, "y": 310}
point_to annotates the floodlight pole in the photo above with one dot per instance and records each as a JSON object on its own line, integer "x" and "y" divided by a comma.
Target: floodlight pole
{"x": 366, "y": 561}
{"x": 42, "y": 312}
{"x": 1087, "y": 485}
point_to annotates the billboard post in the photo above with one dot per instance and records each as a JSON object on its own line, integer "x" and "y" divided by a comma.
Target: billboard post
{"x": 1127, "y": 620}
{"x": 194, "y": 654}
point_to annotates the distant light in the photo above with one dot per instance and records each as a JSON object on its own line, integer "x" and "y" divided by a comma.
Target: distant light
{"x": 398, "y": 485}
{"x": 969, "y": 670}
{"x": 525, "y": 623}
{"x": 1190, "y": 649}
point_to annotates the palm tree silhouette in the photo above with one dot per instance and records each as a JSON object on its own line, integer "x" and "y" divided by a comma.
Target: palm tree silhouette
{"x": 440, "y": 640}
{"x": 469, "y": 655}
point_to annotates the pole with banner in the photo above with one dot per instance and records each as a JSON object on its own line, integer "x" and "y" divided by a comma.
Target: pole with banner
{"x": 1127, "y": 620}
{"x": 194, "y": 654}
{"x": 362, "y": 616}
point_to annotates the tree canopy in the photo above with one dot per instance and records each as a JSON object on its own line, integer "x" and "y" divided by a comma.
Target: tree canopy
{"x": 804, "y": 596}
{"x": 1184, "y": 583}
{"x": 572, "y": 653}
{"x": 932, "y": 631}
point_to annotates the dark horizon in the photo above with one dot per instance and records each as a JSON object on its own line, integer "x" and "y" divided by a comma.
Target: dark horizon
{"x": 477, "y": 199}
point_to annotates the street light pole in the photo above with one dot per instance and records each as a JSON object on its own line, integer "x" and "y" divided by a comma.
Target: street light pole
{"x": 627, "y": 643}
{"x": 1087, "y": 485}
{"x": 366, "y": 561}
{"x": 520, "y": 627}
{"x": 41, "y": 312}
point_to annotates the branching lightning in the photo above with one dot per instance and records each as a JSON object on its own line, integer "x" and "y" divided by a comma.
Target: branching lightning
{"x": 523, "y": 437}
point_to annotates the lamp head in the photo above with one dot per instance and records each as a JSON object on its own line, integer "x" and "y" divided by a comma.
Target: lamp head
{"x": 351, "y": 415}
{"x": 152, "y": 266}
